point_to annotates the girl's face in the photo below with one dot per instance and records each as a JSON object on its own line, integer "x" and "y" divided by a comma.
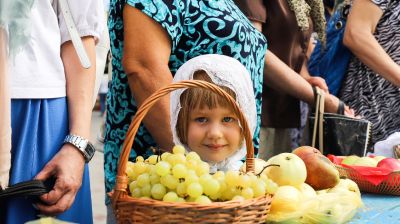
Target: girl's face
{"x": 214, "y": 134}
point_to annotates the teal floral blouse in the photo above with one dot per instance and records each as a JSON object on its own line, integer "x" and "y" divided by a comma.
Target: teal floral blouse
{"x": 196, "y": 27}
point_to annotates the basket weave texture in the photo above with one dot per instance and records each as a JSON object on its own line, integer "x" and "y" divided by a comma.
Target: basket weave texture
{"x": 137, "y": 210}
{"x": 391, "y": 185}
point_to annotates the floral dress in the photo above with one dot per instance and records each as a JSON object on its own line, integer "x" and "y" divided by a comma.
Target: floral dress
{"x": 372, "y": 96}
{"x": 195, "y": 27}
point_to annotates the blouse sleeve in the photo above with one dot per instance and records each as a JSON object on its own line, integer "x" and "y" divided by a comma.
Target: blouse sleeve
{"x": 167, "y": 13}
{"x": 382, "y": 4}
{"x": 88, "y": 15}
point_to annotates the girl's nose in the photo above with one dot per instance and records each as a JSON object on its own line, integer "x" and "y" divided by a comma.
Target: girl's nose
{"x": 214, "y": 131}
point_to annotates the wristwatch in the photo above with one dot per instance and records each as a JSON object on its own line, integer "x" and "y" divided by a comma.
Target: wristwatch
{"x": 82, "y": 144}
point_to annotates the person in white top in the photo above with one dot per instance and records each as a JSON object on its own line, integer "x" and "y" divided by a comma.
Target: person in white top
{"x": 51, "y": 98}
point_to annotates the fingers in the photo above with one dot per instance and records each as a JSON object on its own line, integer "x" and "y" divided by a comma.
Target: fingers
{"x": 48, "y": 171}
{"x": 61, "y": 206}
{"x": 51, "y": 198}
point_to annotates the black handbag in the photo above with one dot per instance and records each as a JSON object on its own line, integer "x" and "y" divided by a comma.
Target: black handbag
{"x": 338, "y": 134}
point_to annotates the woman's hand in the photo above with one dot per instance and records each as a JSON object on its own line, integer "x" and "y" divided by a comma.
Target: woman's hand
{"x": 318, "y": 82}
{"x": 67, "y": 169}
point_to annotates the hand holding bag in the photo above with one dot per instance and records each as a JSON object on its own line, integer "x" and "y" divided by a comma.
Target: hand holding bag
{"x": 331, "y": 61}
{"x": 338, "y": 134}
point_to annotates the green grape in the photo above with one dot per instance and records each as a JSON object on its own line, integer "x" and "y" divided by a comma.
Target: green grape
{"x": 202, "y": 168}
{"x": 139, "y": 168}
{"x": 178, "y": 149}
{"x": 139, "y": 159}
{"x": 247, "y": 193}
{"x": 145, "y": 197}
{"x": 232, "y": 178}
{"x": 146, "y": 190}
{"x": 259, "y": 188}
{"x": 216, "y": 196}
{"x": 191, "y": 177}
{"x": 238, "y": 198}
{"x": 194, "y": 190}
{"x": 179, "y": 171}
{"x": 152, "y": 159}
{"x": 203, "y": 200}
{"x": 158, "y": 191}
{"x": 170, "y": 197}
{"x": 180, "y": 199}
{"x": 163, "y": 168}
{"x": 222, "y": 186}
{"x": 132, "y": 186}
{"x": 170, "y": 181}
{"x": 204, "y": 179}
{"x": 136, "y": 193}
{"x": 193, "y": 156}
{"x": 151, "y": 169}
{"x": 191, "y": 164}
{"x": 143, "y": 179}
{"x": 129, "y": 172}
{"x": 219, "y": 174}
{"x": 181, "y": 189}
{"x": 154, "y": 179}
{"x": 271, "y": 187}
{"x": 165, "y": 155}
{"x": 211, "y": 187}
{"x": 244, "y": 181}
{"x": 228, "y": 194}
{"x": 176, "y": 159}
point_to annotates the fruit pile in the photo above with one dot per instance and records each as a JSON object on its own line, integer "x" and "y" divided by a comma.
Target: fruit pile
{"x": 371, "y": 161}
{"x": 176, "y": 177}
{"x": 310, "y": 190}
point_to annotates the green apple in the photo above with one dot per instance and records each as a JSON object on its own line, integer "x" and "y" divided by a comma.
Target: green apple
{"x": 366, "y": 161}
{"x": 379, "y": 158}
{"x": 349, "y": 160}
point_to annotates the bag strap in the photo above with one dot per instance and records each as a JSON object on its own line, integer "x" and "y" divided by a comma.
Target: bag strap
{"x": 319, "y": 118}
{"x": 75, "y": 38}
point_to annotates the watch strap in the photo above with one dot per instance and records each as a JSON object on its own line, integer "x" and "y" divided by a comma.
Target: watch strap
{"x": 82, "y": 144}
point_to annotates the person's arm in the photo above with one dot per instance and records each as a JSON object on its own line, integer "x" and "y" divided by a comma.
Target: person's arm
{"x": 68, "y": 164}
{"x": 147, "y": 48}
{"x": 279, "y": 76}
{"x": 358, "y": 37}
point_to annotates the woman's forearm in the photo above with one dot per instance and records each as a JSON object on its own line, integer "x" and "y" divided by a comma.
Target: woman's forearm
{"x": 279, "y": 76}
{"x": 359, "y": 38}
{"x": 80, "y": 85}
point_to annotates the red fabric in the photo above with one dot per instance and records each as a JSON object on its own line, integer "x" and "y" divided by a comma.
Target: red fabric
{"x": 374, "y": 175}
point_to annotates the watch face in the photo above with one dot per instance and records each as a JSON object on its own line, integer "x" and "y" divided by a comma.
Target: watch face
{"x": 90, "y": 150}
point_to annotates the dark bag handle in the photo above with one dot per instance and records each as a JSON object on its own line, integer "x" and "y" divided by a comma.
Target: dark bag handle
{"x": 29, "y": 189}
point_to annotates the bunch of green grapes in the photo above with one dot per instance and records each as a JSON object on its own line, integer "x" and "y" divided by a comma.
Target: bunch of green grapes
{"x": 176, "y": 177}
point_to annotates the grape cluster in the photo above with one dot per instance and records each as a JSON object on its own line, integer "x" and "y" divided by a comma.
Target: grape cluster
{"x": 176, "y": 177}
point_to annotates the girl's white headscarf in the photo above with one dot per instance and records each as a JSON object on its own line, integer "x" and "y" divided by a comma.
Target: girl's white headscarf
{"x": 223, "y": 71}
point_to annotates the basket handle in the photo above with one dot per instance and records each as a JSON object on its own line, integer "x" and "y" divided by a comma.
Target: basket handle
{"x": 122, "y": 180}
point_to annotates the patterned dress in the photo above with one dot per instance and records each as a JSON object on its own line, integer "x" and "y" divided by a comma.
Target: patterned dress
{"x": 195, "y": 27}
{"x": 372, "y": 96}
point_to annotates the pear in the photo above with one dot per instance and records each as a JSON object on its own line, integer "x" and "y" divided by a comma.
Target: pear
{"x": 321, "y": 172}
{"x": 366, "y": 161}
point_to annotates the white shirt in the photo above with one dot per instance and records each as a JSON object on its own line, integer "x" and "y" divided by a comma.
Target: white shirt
{"x": 37, "y": 71}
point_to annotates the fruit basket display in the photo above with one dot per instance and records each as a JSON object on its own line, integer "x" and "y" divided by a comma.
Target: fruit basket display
{"x": 386, "y": 183}
{"x": 128, "y": 209}
{"x": 378, "y": 180}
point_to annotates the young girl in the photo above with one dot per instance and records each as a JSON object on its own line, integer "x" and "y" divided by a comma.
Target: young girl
{"x": 204, "y": 121}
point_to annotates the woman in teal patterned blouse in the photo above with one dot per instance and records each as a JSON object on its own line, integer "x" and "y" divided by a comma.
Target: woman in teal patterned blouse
{"x": 154, "y": 38}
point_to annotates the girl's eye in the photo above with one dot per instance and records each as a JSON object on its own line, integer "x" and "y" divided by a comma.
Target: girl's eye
{"x": 228, "y": 119}
{"x": 201, "y": 119}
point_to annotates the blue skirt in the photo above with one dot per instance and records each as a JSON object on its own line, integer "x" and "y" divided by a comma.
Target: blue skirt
{"x": 39, "y": 127}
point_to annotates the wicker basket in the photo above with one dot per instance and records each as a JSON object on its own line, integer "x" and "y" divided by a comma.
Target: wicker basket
{"x": 136, "y": 210}
{"x": 391, "y": 185}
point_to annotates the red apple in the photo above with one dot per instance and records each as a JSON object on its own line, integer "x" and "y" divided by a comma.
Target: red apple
{"x": 390, "y": 163}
